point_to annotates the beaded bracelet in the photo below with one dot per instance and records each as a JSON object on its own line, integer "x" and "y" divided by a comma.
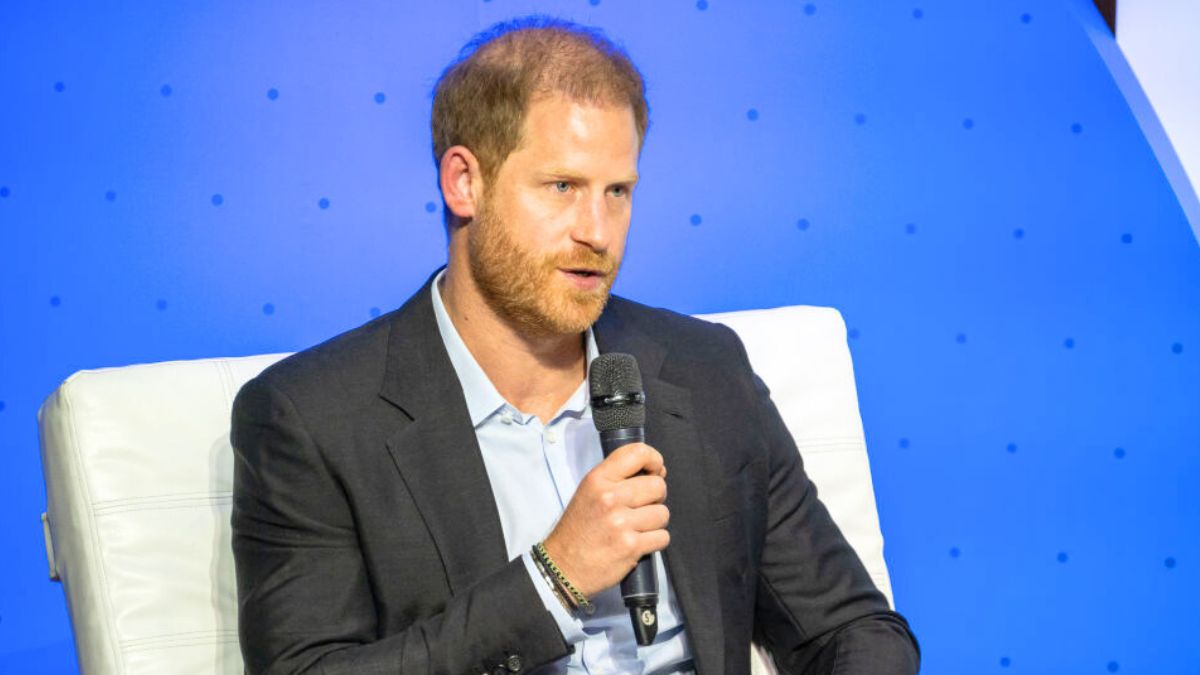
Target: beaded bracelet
{"x": 580, "y": 600}
{"x": 557, "y": 592}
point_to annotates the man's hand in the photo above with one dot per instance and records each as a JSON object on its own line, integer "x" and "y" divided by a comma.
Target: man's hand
{"x": 616, "y": 516}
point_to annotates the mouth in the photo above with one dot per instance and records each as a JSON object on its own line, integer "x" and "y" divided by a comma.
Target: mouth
{"x": 585, "y": 278}
{"x": 583, "y": 273}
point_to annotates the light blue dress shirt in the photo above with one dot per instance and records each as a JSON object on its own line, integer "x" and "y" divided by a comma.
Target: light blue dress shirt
{"x": 534, "y": 470}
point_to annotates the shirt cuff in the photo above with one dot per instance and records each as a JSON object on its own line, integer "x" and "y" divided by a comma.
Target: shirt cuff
{"x": 570, "y": 627}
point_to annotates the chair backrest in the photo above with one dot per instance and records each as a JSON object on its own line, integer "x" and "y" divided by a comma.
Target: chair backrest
{"x": 138, "y": 472}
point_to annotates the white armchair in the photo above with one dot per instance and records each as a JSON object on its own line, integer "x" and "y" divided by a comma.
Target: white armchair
{"x": 138, "y": 472}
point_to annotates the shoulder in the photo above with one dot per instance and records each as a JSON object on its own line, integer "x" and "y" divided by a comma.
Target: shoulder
{"x": 348, "y": 354}
{"x": 344, "y": 368}
{"x": 682, "y": 335}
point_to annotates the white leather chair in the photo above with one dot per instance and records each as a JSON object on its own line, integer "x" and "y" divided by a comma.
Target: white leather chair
{"x": 138, "y": 472}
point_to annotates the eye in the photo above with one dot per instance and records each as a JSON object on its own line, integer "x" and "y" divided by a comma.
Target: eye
{"x": 620, "y": 191}
{"x": 562, "y": 186}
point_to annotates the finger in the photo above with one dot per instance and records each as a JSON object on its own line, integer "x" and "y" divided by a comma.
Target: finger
{"x": 649, "y": 518}
{"x": 641, "y": 490}
{"x": 632, "y": 459}
{"x": 652, "y": 541}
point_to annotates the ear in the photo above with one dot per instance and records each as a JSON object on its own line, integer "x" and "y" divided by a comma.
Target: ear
{"x": 461, "y": 181}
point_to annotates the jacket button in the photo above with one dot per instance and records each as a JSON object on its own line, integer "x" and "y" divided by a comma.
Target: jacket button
{"x": 513, "y": 663}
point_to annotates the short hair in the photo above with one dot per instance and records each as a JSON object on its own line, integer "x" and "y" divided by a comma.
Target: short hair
{"x": 481, "y": 99}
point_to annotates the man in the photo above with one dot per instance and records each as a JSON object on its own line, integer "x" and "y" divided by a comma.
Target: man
{"x": 390, "y": 484}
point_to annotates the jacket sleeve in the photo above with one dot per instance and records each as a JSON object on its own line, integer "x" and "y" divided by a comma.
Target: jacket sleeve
{"x": 817, "y": 610}
{"x": 305, "y": 604}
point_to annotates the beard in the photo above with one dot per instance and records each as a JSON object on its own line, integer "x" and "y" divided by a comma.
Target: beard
{"x": 528, "y": 289}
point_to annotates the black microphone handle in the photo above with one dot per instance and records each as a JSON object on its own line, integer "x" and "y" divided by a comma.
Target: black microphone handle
{"x": 639, "y": 588}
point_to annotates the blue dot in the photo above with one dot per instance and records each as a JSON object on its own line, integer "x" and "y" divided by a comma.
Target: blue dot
{"x": 968, "y": 123}
{"x": 1005, "y": 662}
{"x": 1119, "y": 453}
{"x": 165, "y": 90}
{"x": 954, "y": 552}
{"x": 802, "y": 224}
{"x": 695, "y": 219}
{"x": 268, "y": 309}
{"x": 4, "y": 191}
{"x": 1169, "y": 562}
{"x": 374, "y": 312}
{"x": 918, "y": 13}
{"x": 380, "y": 97}
{"x": 1077, "y": 128}
{"x": 55, "y": 301}
{"x": 1113, "y": 666}
{"x": 323, "y": 203}
{"x": 701, "y": 5}
{"x": 1069, "y": 343}
{"x": 860, "y": 119}
{"x": 1018, "y": 233}
{"x": 1011, "y": 447}
{"x": 59, "y": 86}
{"x": 752, "y": 114}
{"x": 217, "y": 200}
{"x": 1177, "y": 348}
{"x": 1, "y": 406}
{"x": 110, "y": 195}
{"x": 852, "y": 333}
{"x": 910, "y": 228}
{"x": 810, "y": 9}
{"x": 1127, "y": 238}
{"x": 961, "y": 338}
{"x": 1026, "y": 18}
{"x": 593, "y": 3}
{"x": 904, "y": 442}
{"x": 272, "y": 93}
{"x": 1061, "y": 557}
{"x": 161, "y": 305}
{"x": 430, "y": 207}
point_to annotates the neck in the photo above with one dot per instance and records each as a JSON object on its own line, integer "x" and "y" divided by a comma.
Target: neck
{"x": 534, "y": 371}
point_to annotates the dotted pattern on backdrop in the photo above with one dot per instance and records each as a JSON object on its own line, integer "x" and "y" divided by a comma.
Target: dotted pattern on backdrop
{"x": 961, "y": 180}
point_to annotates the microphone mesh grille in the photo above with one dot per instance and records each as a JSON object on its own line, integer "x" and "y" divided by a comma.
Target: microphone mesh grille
{"x": 616, "y": 373}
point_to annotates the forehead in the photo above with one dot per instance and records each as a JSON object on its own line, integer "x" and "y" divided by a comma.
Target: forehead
{"x": 559, "y": 129}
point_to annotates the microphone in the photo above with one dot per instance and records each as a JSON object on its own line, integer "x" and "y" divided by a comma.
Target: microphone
{"x": 619, "y": 411}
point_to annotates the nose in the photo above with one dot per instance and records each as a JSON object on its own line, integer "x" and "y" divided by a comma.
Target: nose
{"x": 593, "y": 224}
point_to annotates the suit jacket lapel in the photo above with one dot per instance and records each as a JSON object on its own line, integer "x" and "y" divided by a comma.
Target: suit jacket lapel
{"x": 437, "y": 453}
{"x": 671, "y": 428}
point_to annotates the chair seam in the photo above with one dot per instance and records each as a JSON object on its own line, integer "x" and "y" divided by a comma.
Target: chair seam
{"x": 108, "y": 503}
{"x": 164, "y": 506}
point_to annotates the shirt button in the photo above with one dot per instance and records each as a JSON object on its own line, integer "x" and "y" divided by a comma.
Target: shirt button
{"x": 506, "y": 417}
{"x": 550, "y": 436}
{"x": 513, "y": 663}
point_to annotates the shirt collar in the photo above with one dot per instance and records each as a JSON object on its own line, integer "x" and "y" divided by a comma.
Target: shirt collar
{"x": 482, "y": 398}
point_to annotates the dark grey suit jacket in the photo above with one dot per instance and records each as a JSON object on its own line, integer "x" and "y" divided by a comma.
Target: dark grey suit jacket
{"x": 367, "y": 540}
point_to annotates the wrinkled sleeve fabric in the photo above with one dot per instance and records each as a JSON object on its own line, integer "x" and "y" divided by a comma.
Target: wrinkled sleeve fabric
{"x": 304, "y": 600}
{"x": 817, "y": 610}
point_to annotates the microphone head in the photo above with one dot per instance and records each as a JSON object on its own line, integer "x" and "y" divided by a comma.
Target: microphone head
{"x": 616, "y": 387}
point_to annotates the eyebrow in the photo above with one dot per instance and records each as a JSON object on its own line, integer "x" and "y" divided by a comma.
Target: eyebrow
{"x": 563, "y": 173}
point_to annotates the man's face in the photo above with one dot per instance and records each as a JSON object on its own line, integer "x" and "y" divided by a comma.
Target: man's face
{"x": 547, "y": 239}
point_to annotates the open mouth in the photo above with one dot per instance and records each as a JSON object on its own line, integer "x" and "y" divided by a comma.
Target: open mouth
{"x": 584, "y": 273}
{"x": 585, "y": 279}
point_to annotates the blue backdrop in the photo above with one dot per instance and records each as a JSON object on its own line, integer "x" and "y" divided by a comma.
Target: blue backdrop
{"x": 962, "y": 179}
